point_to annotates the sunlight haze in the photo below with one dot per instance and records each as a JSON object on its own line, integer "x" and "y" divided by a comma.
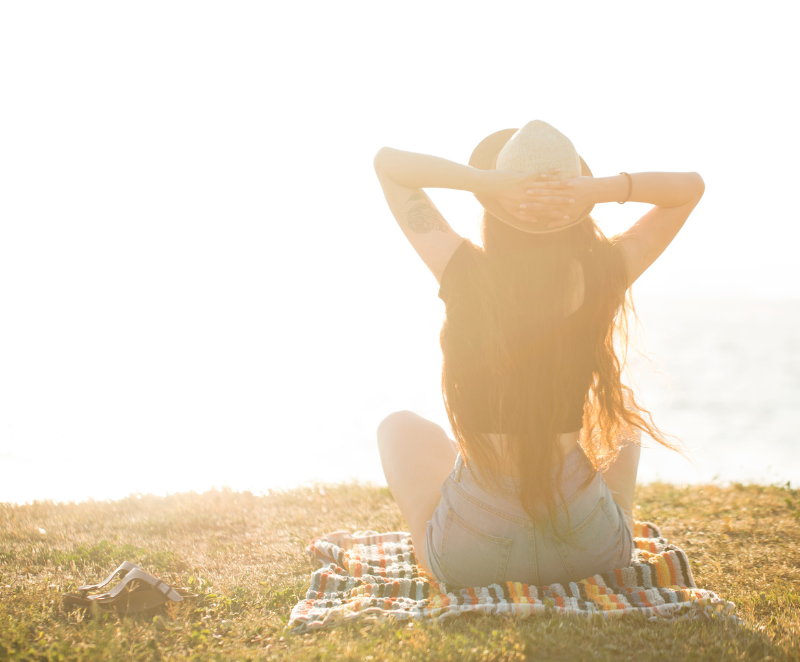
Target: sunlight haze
{"x": 201, "y": 284}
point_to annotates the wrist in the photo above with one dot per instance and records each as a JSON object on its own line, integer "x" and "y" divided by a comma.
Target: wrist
{"x": 611, "y": 189}
{"x": 489, "y": 182}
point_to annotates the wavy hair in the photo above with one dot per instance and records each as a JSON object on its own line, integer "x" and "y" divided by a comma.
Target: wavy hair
{"x": 508, "y": 319}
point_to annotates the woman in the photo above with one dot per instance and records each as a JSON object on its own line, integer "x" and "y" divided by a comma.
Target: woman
{"x": 538, "y": 484}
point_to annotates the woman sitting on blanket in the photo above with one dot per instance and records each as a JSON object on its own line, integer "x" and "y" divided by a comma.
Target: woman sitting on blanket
{"x": 537, "y": 486}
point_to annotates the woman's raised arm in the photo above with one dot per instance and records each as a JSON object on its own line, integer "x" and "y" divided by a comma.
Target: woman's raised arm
{"x": 416, "y": 171}
{"x": 673, "y": 194}
{"x": 404, "y": 175}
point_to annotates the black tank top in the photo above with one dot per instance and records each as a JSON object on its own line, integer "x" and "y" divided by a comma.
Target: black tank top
{"x": 461, "y": 309}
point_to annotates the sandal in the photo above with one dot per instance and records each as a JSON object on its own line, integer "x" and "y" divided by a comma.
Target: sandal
{"x": 126, "y": 567}
{"x": 138, "y": 592}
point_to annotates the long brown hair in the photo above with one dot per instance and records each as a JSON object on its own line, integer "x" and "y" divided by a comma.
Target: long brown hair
{"x": 508, "y": 318}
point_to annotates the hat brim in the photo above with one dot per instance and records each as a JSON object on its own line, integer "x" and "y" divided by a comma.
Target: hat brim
{"x": 484, "y": 157}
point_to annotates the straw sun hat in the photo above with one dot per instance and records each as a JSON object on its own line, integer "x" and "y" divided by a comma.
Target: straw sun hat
{"x": 536, "y": 147}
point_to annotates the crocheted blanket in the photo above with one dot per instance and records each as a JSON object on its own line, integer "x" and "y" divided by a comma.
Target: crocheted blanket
{"x": 376, "y": 574}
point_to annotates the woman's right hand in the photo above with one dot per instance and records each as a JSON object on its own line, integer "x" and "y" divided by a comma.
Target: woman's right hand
{"x": 532, "y": 198}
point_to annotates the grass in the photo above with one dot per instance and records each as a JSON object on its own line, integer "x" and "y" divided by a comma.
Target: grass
{"x": 244, "y": 555}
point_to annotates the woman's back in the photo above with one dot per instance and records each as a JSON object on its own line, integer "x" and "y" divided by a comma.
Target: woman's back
{"x": 525, "y": 333}
{"x": 482, "y": 384}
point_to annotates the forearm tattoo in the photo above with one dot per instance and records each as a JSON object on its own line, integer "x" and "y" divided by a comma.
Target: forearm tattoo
{"x": 423, "y": 217}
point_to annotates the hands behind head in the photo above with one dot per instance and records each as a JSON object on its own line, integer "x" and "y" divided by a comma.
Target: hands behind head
{"x": 543, "y": 197}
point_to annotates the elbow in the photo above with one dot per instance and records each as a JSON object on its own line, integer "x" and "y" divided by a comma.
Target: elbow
{"x": 699, "y": 185}
{"x": 380, "y": 158}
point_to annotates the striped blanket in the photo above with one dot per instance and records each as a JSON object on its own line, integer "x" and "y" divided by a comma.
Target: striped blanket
{"x": 370, "y": 573}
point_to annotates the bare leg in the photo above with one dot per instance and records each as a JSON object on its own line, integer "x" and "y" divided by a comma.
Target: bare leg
{"x": 417, "y": 457}
{"x": 621, "y": 477}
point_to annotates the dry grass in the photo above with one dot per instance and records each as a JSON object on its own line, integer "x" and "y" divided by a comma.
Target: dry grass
{"x": 245, "y": 555}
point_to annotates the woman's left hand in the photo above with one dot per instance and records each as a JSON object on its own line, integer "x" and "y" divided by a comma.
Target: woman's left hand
{"x": 521, "y": 196}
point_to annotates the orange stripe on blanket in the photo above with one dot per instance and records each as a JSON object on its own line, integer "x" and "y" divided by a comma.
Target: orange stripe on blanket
{"x": 616, "y": 600}
{"x": 604, "y": 602}
{"x": 672, "y": 570}
{"x": 381, "y": 557}
{"x": 666, "y": 579}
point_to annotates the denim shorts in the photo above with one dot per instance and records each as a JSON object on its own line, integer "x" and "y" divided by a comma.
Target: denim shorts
{"x": 476, "y": 538}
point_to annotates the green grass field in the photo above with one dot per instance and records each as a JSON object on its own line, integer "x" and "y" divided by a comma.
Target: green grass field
{"x": 244, "y": 555}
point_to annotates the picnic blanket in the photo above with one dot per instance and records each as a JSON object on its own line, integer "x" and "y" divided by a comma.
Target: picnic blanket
{"x": 376, "y": 574}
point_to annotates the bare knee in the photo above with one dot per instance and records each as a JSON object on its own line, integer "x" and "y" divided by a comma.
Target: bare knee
{"x": 405, "y": 426}
{"x": 395, "y": 425}
{"x": 621, "y": 475}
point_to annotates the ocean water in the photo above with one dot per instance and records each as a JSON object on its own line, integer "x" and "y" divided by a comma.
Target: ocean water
{"x": 725, "y": 379}
{"x": 722, "y": 376}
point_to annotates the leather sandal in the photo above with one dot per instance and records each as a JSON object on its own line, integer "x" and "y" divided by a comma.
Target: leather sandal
{"x": 125, "y": 568}
{"x": 137, "y": 592}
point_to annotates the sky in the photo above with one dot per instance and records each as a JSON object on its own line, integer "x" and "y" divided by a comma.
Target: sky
{"x": 199, "y": 277}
